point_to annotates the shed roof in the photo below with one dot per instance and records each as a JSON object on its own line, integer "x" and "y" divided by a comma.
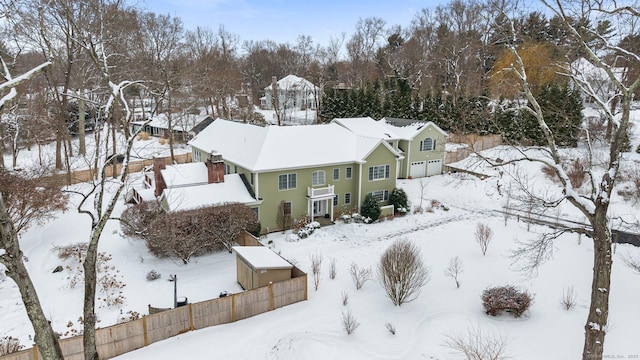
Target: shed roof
{"x": 260, "y": 257}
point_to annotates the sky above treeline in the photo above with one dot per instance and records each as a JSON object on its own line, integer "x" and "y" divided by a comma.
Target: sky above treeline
{"x": 284, "y": 20}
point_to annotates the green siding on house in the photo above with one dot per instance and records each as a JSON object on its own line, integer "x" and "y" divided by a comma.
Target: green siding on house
{"x": 412, "y": 151}
{"x": 265, "y": 185}
{"x": 379, "y": 157}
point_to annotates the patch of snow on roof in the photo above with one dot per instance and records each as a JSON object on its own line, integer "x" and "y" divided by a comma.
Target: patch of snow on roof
{"x": 262, "y": 257}
{"x": 410, "y": 131}
{"x": 292, "y": 82}
{"x": 185, "y": 174}
{"x": 232, "y": 190}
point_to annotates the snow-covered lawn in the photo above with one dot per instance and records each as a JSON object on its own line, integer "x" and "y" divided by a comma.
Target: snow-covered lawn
{"x": 313, "y": 329}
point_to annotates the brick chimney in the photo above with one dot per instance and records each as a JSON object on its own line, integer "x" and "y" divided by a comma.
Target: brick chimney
{"x": 215, "y": 169}
{"x": 159, "y": 164}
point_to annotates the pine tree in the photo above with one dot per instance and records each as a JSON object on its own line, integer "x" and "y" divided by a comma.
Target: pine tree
{"x": 370, "y": 208}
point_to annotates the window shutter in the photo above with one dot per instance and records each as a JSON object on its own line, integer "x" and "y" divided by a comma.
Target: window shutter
{"x": 371, "y": 173}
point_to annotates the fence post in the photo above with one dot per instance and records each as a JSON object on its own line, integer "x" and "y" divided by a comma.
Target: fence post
{"x": 306, "y": 287}
{"x": 233, "y": 307}
{"x": 144, "y": 331}
{"x": 271, "y": 302}
{"x": 35, "y": 351}
{"x": 191, "y": 327}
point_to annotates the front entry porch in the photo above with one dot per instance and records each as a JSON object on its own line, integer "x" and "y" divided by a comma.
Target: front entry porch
{"x": 320, "y": 204}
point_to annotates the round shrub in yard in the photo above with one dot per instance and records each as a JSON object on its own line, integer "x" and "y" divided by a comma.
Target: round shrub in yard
{"x": 506, "y": 298}
{"x": 398, "y": 198}
{"x": 370, "y": 208}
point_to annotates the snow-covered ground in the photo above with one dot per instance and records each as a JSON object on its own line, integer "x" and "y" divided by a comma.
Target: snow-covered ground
{"x": 313, "y": 329}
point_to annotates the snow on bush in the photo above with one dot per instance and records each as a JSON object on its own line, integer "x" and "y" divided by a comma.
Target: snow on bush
{"x": 506, "y": 298}
{"x": 308, "y": 229}
{"x": 9, "y": 345}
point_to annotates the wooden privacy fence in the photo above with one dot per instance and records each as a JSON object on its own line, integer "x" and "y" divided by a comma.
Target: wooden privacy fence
{"x": 473, "y": 142}
{"x": 122, "y": 338}
{"x": 87, "y": 175}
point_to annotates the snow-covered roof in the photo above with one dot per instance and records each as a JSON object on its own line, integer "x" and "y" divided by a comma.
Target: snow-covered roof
{"x": 179, "y": 175}
{"x": 179, "y": 122}
{"x": 366, "y": 126}
{"x": 272, "y": 148}
{"x": 292, "y": 82}
{"x": 261, "y": 257}
{"x": 408, "y": 129}
{"x": 232, "y": 190}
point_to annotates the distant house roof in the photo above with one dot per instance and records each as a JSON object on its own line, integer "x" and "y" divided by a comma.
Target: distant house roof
{"x": 261, "y": 257}
{"x": 232, "y": 190}
{"x": 293, "y": 82}
{"x": 201, "y": 125}
{"x": 272, "y": 148}
{"x": 179, "y": 122}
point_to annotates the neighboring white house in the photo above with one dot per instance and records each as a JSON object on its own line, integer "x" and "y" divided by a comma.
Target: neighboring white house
{"x": 293, "y": 94}
{"x": 595, "y": 78}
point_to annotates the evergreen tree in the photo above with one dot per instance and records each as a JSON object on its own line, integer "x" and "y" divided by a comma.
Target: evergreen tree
{"x": 370, "y": 208}
{"x": 398, "y": 198}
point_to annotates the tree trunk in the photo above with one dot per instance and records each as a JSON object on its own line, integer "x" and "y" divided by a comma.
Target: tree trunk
{"x": 45, "y": 337}
{"x": 595, "y": 327}
{"x": 90, "y": 276}
{"x": 82, "y": 149}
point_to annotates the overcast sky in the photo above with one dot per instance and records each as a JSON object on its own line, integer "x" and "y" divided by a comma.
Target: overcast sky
{"x": 284, "y": 20}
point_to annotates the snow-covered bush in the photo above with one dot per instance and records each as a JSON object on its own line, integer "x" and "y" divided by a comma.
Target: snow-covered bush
{"x": 506, "y": 298}
{"x": 308, "y": 229}
{"x": 153, "y": 275}
{"x": 9, "y": 345}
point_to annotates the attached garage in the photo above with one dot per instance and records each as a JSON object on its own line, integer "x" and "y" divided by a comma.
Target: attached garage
{"x": 257, "y": 266}
{"x": 417, "y": 169}
{"x": 434, "y": 167}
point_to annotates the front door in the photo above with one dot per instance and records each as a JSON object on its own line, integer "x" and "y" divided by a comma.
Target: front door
{"x": 319, "y": 208}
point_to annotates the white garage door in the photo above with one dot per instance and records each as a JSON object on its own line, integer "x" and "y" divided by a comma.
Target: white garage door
{"x": 417, "y": 169}
{"x": 434, "y": 167}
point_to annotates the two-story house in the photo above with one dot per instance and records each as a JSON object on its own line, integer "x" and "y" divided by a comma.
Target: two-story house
{"x": 314, "y": 170}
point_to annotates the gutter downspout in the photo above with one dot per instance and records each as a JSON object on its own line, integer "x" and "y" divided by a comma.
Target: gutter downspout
{"x": 359, "y": 186}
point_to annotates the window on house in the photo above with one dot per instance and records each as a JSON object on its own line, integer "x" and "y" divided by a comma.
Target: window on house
{"x": 428, "y": 144}
{"x": 235, "y": 169}
{"x": 379, "y": 172}
{"x": 347, "y": 198}
{"x": 256, "y": 210}
{"x": 335, "y": 200}
{"x": 336, "y": 174}
{"x": 286, "y": 181}
{"x": 382, "y": 195}
{"x": 227, "y": 169}
{"x": 347, "y": 173}
{"x": 196, "y": 155}
{"x": 286, "y": 208}
{"x": 317, "y": 178}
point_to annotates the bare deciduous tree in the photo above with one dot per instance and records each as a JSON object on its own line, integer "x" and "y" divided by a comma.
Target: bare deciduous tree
{"x": 349, "y": 322}
{"x": 454, "y": 269}
{"x": 316, "y": 265}
{"x": 603, "y": 53}
{"x": 359, "y": 275}
{"x": 479, "y": 344}
{"x": 402, "y": 272}
{"x": 483, "y": 235}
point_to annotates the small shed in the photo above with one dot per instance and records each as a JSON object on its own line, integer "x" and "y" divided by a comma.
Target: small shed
{"x": 257, "y": 266}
